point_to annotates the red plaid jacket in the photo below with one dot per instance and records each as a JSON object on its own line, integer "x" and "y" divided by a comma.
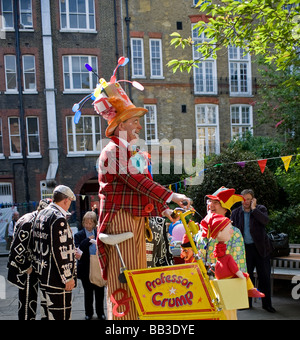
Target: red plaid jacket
{"x": 122, "y": 187}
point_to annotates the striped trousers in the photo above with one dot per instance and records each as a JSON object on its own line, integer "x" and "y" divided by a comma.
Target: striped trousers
{"x": 134, "y": 255}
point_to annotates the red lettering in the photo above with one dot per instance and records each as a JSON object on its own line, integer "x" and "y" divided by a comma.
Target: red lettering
{"x": 154, "y": 301}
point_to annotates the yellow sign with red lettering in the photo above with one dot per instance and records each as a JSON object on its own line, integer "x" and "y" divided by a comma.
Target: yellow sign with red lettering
{"x": 174, "y": 292}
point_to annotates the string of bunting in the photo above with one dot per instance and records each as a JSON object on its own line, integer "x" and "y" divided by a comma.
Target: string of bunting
{"x": 261, "y": 162}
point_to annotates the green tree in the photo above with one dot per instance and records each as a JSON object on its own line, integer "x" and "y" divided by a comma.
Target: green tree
{"x": 279, "y": 104}
{"x": 262, "y": 27}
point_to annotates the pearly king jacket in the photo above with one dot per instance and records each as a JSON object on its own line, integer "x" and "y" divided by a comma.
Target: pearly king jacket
{"x": 53, "y": 248}
{"x": 122, "y": 186}
{"x": 20, "y": 256}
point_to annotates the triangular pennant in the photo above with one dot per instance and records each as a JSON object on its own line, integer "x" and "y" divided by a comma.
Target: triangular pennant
{"x": 262, "y": 164}
{"x": 241, "y": 164}
{"x": 170, "y": 187}
{"x": 286, "y": 161}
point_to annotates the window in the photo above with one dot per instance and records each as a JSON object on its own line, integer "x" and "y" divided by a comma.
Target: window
{"x": 33, "y": 139}
{"x": 76, "y": 76}
{"x": 84, "y": 137}
{"x": 195, "y": 2}
{"x": 241, "y": 120}
{"x": 6, "y": 193}
{"x": 7, "y": 14}
{"x": 77, "y": 15}
{"x": 1, "y": 139}
{"x": 25, "y": 14}
{"x": 208, "y": 127}
{"x": 156, "y": 58}
{"x": 29, "y": 73}
{"x": 137, "y": 58}
{"x": 239, "y": 71}
{"x": 14, "y": 136}
{"x": 10, "y": 73}
{"x": 205, "y": 75}
{"x": 151, "y": 124}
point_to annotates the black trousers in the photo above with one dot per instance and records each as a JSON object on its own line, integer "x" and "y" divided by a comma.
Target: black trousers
{"x": 28, "y": 298}
{"x": 89, "y": 291}
{"x": 56, "y": 304}
{"x": 263, "y": 269}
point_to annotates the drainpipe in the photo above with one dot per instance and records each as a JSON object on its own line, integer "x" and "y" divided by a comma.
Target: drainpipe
{"x": 127, "y": 20}
{"x": 50, "y": 91}
{"x": 20, "y": 91}
{"x": 116, "y": 33}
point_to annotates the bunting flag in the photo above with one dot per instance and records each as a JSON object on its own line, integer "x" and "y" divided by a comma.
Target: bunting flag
{"x": 262, "y": 164}
{"x": 286, "y": 161}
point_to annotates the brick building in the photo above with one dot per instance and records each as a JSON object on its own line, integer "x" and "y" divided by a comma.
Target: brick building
{"x": 40, "y": 146}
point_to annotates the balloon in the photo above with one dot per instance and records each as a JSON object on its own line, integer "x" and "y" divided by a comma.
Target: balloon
{"x": 126, "y": 60}
{"x": 77, "y": 117}
{"x": 138, "y": 86}
{"x": 75, "y": 107}
{"x": 88, "y": 67}
{"x": 178, "y": 232}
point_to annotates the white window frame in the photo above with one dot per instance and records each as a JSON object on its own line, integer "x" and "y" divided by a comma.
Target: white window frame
{"x": 22, "y": 12}
{"x": 91, "y": 60}
{"x": 203, "y": 67}
{"x": 90, "y": 17}
{"x": 26, "y": 12}
{"x": 156, "y": 57}
{"x": 238, "y": 62}
{"x": 36, "y": 135}
{"x": 26, "y": 72}
{"x": 6, "y": 193}
{"x": 15, "y": 90}
{"x": 150, "y": 118}
{"x": 12, "y": 153}
{"x": 137, "y": 58}
{"x": 242, "y": 126}
{"x": 208, "y": 125}
{"x": 97, "y": 146}
{"x": 1, "y": 140}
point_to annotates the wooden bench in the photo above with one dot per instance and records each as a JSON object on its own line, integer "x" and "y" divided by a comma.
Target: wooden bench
{"x": 285, "y": 268}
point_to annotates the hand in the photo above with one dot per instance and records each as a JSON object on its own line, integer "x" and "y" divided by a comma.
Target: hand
{"x": 167, "y": 213}
{"x": 70, "y": 285}
{"x": 253, "y": 203}
{"x": 180, "y": 200}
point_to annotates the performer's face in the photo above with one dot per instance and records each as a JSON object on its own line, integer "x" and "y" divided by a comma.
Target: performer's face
{"x": 131, "y": 127}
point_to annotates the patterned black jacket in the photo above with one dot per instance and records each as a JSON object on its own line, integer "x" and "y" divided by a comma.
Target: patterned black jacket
{"x": 53, "y": 248}
{"x": 20, "y": 256}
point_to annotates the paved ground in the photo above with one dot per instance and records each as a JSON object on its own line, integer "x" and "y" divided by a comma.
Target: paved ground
{"x": 287, "y": 308}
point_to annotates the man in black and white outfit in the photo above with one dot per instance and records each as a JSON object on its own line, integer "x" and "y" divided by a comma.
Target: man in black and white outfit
{"x": 19, "y": 265}
{"x": 54, "y": 256}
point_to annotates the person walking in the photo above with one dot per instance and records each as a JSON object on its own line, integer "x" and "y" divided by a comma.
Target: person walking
{"x": 54, "y": 256}
{"x": 85, "y": 241}
{"x": 251, "y": 218}
{"x": 20, "y": 272}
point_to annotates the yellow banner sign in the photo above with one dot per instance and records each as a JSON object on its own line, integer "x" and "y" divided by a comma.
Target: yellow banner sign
{"x": 171, "y": 292}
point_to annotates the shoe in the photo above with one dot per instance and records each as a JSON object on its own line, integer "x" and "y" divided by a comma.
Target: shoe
{"x": 254, "y": 293}
{"x": 270, "y": 309}
{"x": 101, "y": 317}
{"x": 87, "y": 317}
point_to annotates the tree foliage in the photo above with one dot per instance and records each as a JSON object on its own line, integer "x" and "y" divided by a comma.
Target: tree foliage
{"x": 262, "y": 27}
{"x": 279, "y": 105}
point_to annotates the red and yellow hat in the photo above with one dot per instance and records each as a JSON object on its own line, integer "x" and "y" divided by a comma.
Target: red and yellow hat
{"x": 226, "y": 197}
{"x": 212, "y": 224}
